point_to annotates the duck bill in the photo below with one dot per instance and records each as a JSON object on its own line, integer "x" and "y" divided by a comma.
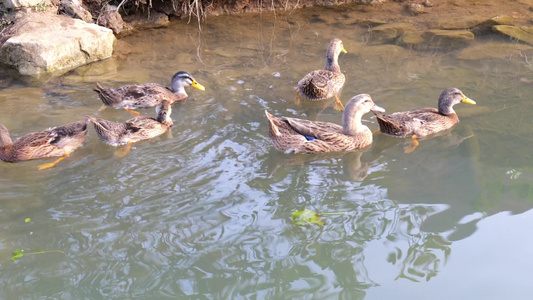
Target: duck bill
{"x": 196, "y": 85}
{"x": 468, "y": 100}
{"x": 377, "y": 109}
{"x": 344, "y": 50}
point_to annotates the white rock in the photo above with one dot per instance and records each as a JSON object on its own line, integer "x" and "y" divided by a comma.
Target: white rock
{"x": 51, "y": 43}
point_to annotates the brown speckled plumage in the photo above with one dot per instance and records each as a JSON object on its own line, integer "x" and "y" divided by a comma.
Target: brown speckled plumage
{"x": 324, "y": 84}
{"x": 148, "y": 94}
{"x": 54, "y": 142}
{"x": 424, "y": 121}
{"x": 135, "y": 129}
{"x": 289, "y": 134}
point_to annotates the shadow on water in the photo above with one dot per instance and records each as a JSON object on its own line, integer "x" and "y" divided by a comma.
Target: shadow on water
{"x": 206, "y": 211}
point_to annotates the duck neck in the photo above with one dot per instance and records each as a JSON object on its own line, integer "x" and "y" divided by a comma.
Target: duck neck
{"x": 446, "y": 109}
{"x": 5, "y": 143}
{"x": 179, "y": 89}
{"x": 5, "y": 139}
{"x": 163, "y": 113}
{"x": 332, "y": 63}
{"x": 351, "y": 123}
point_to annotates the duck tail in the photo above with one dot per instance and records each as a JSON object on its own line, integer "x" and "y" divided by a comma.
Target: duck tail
{"x": 274, "y": 130}
{"x": 387, "y": 126}
{"x": 108, "y": 96}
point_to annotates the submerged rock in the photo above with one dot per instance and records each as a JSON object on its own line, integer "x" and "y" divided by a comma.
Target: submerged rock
{"x": 486, "y": 26}
{"x": 410, "y": 38}
{"x": 521, "y": 33}
{"x": 447, "y": 39}
{"x": 48, "y": 43}
{"x": 495, "y": 50}
{"x": 388, "y": 32}
{"x": 459, "y": 23}
{"x": 390, "y": 53}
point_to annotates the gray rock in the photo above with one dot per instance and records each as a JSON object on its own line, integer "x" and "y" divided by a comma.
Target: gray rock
{"x": 415, "y": 8}
{"x": 49, "y": 43}
{"x": 521, "y": 33}
{"x": 74, "y": 9}
{"x": 111, "y": 19}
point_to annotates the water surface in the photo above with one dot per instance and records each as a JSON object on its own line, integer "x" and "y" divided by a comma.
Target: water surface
{"x": 205, "y": 211}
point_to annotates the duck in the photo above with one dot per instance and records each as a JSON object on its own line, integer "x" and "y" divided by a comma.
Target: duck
{"x": 135, "y": 129}
{"x": 292, "y": 135}
{"x": 326, "y": 83}
{"x": 135, "y": 96}
{"x": 422, "y": 122}
{"x": 53, "y": 142}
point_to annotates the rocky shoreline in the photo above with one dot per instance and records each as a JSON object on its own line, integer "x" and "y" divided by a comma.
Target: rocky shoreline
{"x": 58, "y": 35}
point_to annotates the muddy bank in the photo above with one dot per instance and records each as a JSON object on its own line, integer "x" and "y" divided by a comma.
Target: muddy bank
{"x": 420, "y": 25}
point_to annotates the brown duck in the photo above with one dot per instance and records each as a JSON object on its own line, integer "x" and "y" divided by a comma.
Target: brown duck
{"x": 134, "y": 130}
{"x": 326, "y": 83}
{"x": 422, "y": 122}
{"x": 134, "y": 96}
{"x": 53, "y": 142}
{"x": 303, "y": 136}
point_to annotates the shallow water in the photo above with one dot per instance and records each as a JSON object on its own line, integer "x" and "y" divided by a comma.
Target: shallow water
{"x": 205, "y": 211}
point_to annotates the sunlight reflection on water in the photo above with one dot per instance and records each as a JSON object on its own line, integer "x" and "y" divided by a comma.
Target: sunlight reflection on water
{"x": 207, "y": 209}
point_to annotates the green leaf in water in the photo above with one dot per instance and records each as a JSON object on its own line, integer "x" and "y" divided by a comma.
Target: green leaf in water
{"x": 17, "y": 254}
{"x": 306, "y": 216}
{"x": 27, "y": 220}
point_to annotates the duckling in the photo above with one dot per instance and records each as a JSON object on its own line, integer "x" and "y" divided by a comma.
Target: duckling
{"x": 134, "y": 96}
{"x": 134, "y": 130}
{"x": 326, "y": 83}
{"x": 424, "y": 121}
{"x": 303, "y": 136}
{"x": 53, "y": 142}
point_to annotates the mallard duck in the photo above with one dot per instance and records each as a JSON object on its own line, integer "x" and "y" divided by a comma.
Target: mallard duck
{"x": 424, "y": 121}
{"x": 134, "y": 130}
{"x": 324, "y": 84}
{"x": 303, "y": 136}
{"x": 134, "y": 96}
{"x": 53, "y": 142}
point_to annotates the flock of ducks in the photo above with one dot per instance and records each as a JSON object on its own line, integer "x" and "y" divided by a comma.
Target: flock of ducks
{"x": 303, "y": 136}
{"x": 62, "y": 140}
{"x": 287, "y": 134}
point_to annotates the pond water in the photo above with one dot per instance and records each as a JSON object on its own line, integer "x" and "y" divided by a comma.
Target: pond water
{"x": 204, "y": 212}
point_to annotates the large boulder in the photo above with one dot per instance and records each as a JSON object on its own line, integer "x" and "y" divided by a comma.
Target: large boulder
{"x": 49, "y": 43}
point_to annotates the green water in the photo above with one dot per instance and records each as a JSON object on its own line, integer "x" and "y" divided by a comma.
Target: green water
{"x": 205, "y": 211}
